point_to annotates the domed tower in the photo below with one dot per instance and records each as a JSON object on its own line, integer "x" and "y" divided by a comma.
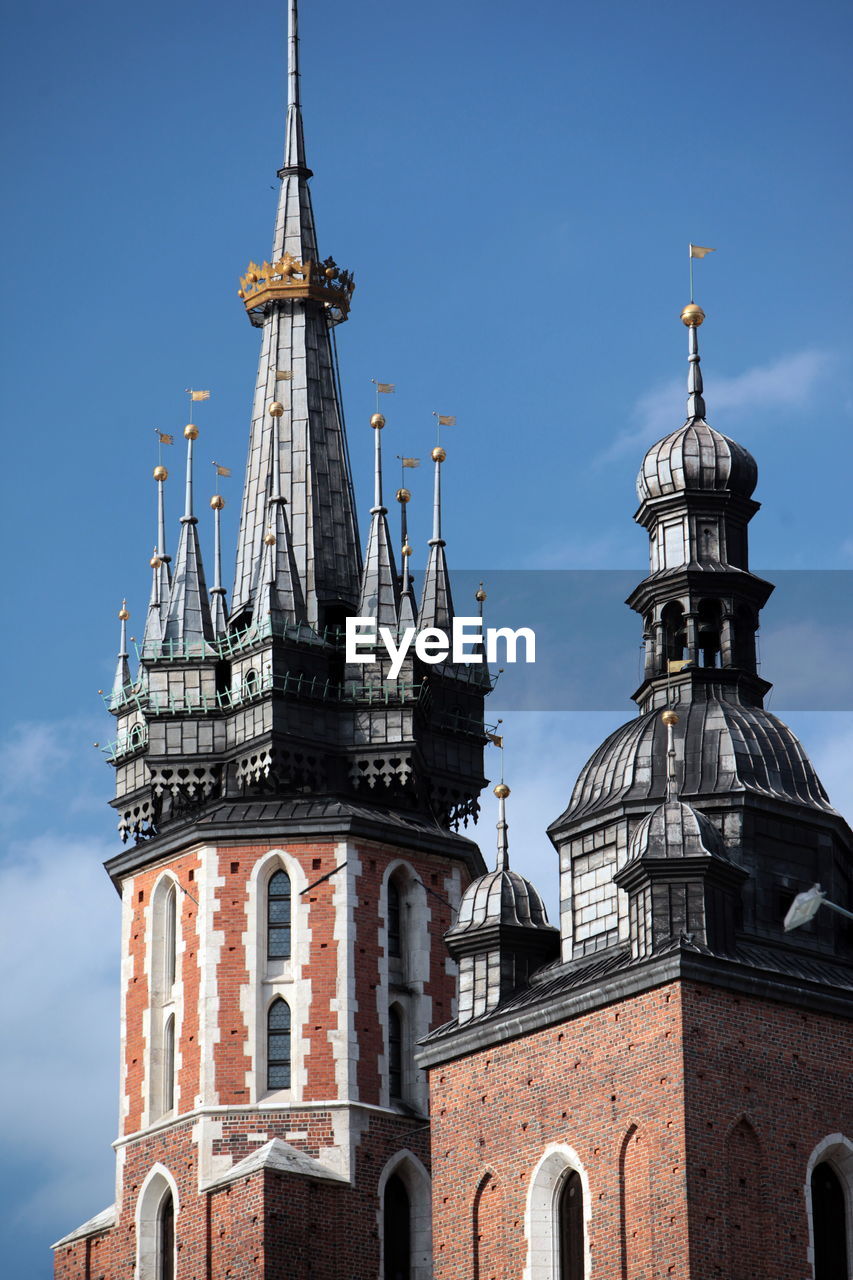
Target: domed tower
{"x": 739, "y": 764}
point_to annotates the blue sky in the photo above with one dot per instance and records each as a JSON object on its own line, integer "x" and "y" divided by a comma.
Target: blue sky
{"x": 515, "y": 195}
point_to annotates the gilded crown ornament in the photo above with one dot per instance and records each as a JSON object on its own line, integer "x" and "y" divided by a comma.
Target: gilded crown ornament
{"x": 265, "y": 283}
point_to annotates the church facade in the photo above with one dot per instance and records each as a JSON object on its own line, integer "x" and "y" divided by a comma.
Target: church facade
{"x": 350, "y": 1050}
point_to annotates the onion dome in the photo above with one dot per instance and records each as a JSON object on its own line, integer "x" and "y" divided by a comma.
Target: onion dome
{"x": 501, "y": 897}
{"x": 696, "y": 457}
{"x": 675, "y": 830}
{"x": 728, "y": 747}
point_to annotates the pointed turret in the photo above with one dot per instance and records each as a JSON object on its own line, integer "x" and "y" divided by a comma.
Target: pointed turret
{"x": 278, "y": 593}
{"x": 219, "y": 616}
{"x": 380, "y": 591}
{"x": 188, "y": 621}
{"x": 437, "y": 601}
{"x": 121, "y": 680}
{"x": 155, "y": 618}
{"x": 296, "y": 299}
{"x": 408, "y": 609}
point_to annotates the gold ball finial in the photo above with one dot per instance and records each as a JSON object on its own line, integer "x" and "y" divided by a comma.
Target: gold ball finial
{"x": 123, "y": 611}
{"x": 377, "y": 421}
{"x": 692, "y": 315}
{"x": 217, "y": 502}
{"x": 160, "y": 474}
{"x": 276, "y": 409}
{"x": 155, "y": 560}
{"x": 269, "y": 538}
{"x": 404, "y": 495}
{"x": 480, "y": 594}
{"x": 407, "y": 550}
{"x": 502, "y": 791}
{"x": 669, "y": 717}
{"x": 438, "y": 454}
{"x": 191, "y": 431}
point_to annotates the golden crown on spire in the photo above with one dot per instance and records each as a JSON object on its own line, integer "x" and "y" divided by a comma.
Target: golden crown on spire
{"x": 325, "y": 282}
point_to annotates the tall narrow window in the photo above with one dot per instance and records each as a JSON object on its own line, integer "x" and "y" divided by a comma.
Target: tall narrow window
{"x": 829, "y": 1218}
{"x": 397, "y": 1236}
{"x": 395, "y": 937}
{"x": 278, "y": 917}
{"x": 395, "y": 1053}
{"x": 169, "y": 1064}
{"x": 170, "y": 916}
{"x": 570, "y": 1223}
{"x": 166, "y": 1238}
{"x": 278, "y": 1045}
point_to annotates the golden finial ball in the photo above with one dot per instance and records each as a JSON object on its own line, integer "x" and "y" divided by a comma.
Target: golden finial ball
{"x": 692, "y": 315}
{"x": 377, "y": 421}
{"x": 276, "y": 409}
{"x": 407, "y": 550}
{"x": 123, "y": 613}
{"x": 155, "y": 561}
{"x": 191, "y": 431}
{"x": 160, "y": 474}
{"x": 669, "y": 717}
{"x": 502, "y": 791}
{"x": 404, "y": 495}
{"x": 269, "y": 538}
{"x": 480, "y": 594}
{"x": 217, "y": 502}
{"x": 438, "y": 454}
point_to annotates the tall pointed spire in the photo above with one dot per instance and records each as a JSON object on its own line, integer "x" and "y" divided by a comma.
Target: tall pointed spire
{"x": 296, "y": 299}
{"x": 693, "y": 315}
{"x": 160, "y": 572}
{"x": 437, "y": 601}
{"x": 217, "y": 593}
{"x": 122, "y": 675}
{"x": 188, "y": 620}
{"x": 278, "y": 593}
{"x": 380, "y": 588}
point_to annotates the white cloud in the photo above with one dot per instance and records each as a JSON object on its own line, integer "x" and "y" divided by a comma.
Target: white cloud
{"x": 59, "y": 953}
{"x": 788, "y": 382}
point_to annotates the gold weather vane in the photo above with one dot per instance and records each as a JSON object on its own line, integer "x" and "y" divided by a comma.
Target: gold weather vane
{"x": 197, "y": 395}
{"x": 442, "y": 420}
{"x": 163, "y": 437}
{"x": 218, "y": 471}
{"x": 383, "y": 389}
{"x": 497, "y": 740}
{"x": 697, "y": 251}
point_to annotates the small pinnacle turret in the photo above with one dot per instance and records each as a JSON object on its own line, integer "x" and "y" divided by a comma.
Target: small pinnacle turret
{"x": 437, "y": 602}
{"x": 188, "y": 621}
{"x": 219, "y": 616}
{"x": 121, "y": 680}
{"x": 380, "y": 590}
{"x": 278, "y": 594}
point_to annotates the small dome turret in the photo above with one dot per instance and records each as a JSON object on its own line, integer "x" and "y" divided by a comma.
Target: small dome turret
{"x": 675, "y": 830}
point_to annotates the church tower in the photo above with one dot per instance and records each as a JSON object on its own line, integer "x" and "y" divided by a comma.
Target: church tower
{"x": 671, "y": 1096}
{"x": 292, "y": 856}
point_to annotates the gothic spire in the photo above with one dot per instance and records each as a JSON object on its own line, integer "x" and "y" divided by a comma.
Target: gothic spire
{"x": 278, "y": 593}
{"x": 437, "y": 602}
{"x": 219, "y": 616}
{"x": 160, "y": 571}
{"x": 188, "y": 621}
{"x": 295, "y": 300}
{"x": 122, "y": 675}
{"x": 408, "y": 614}
{"x": 380, "y": 589}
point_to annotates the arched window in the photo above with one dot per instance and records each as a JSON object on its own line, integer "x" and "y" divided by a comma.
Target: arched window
{"x": 570, "y": 1226}
{"x": 278, "y": 1045}
{"x": 674, "y": 631}
{"x": 709, "y": 626}
{"x": 397, "y": 1239}
{"x": 166, "y": 1238}
{"x": 278, "y": 916}
{"x": 170, "y": 939}
{"x": 829, "y": 1219}
{"x": 395, "y": 934}
{"x": 395, "y": 1053}
{"x": 251, "y": 683}
{"x": 169, "y": 1063}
